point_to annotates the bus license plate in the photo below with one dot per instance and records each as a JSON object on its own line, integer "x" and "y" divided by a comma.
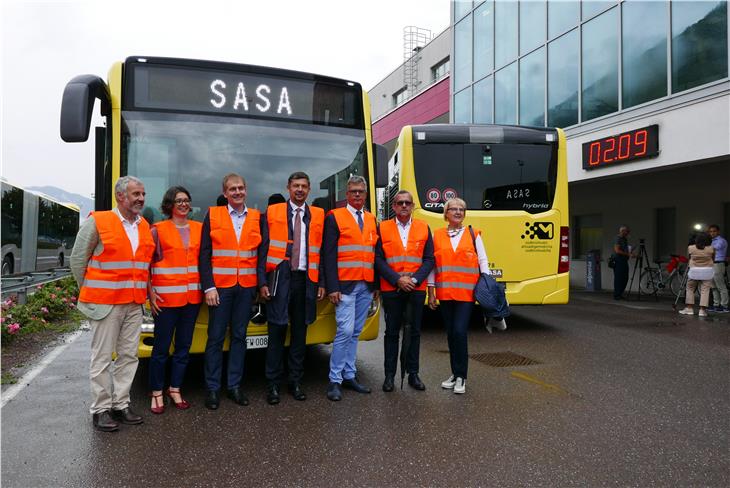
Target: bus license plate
{"x": 497, "y": 273}
{"x": 257, "y": 342}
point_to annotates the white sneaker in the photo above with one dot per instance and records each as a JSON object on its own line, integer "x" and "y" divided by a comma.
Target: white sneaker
{"x": 687, "y": 311}
{"x": 702, "y": 313}
{"x": 449, "y": 383}
{"x": 460, "y": 386}
{"x": 501, "y": 325}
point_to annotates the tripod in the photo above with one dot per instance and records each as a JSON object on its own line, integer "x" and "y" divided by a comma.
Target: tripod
{"x": 639, "y": 260}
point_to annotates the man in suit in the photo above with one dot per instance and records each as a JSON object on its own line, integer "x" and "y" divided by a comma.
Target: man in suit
{"x": 229, "y": 250}
{"x": 403, "y": 258}
{"x": 350, "y": 235}
{"x": 289, "y": 280}
{"x": 110, "y": 261}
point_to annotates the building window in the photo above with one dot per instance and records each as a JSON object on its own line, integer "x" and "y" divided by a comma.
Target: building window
{"x": 600, "y": 65}
{"x": 665, "y": 243}
{"x": 505, "y": 25}
{"x": 699, "y": 43}
{"x": 462, "y": 107}
{"x": 400, "y": 96}
{"x": 532, "y": 25}
{"x": 563, "y": 15}
{"x": 587, "y": 234}
{"x": 505, "y": 95}
{"x": 563, "y": 80}
{"x": 462, "y": 54}
{"x": 440, "y": 70}
{"x": 484, "y": 40}
{"x": 483, "y": 101}
{"x": 461, "y": 8}
{"x": 532, "y": 89}
{"x": 592, "y": 7}
{"x": 644, "y": 52}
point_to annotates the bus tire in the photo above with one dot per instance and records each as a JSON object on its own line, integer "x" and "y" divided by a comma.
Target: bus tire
{"x": 8, "y": 265}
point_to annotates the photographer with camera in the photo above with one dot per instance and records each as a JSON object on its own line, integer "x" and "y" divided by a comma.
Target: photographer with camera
{"x": 621, "y": 254}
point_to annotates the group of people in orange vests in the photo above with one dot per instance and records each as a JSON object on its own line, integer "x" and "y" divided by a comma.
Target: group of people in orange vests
{"x": 291, "y": 256}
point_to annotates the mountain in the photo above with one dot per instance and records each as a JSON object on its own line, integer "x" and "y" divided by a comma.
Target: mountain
{"x": 85, "y": 204}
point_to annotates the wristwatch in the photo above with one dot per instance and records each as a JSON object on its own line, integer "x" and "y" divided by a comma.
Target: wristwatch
{"x": 414, "y": 281}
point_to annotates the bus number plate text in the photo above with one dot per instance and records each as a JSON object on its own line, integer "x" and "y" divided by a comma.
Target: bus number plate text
{"x": 257, "y": 342}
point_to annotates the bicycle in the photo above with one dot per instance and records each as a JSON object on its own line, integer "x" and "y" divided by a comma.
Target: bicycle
{"x": 657, "y": 279}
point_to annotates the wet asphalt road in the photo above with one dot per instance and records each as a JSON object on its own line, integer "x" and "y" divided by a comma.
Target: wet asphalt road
{"x": 625, "y": 394}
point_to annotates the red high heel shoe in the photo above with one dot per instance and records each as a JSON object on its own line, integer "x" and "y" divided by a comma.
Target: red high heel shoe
{"x": 182, "y": 404}
{"x": 157, "y": 409}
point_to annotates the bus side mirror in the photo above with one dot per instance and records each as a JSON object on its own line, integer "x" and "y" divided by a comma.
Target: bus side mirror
{"x": 78, "y": 103}
{"x": 381, "y": 165}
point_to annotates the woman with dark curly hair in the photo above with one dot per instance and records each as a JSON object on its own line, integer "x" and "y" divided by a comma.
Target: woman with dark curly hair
{"x": 174, "y": 294}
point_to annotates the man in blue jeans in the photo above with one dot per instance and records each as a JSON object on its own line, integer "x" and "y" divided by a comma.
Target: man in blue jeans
{"x": 348, "y": 253}
{"x": 719, "y": 291}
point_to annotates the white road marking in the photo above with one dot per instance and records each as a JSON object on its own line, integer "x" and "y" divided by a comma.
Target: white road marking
{"x": 11, "y": 392}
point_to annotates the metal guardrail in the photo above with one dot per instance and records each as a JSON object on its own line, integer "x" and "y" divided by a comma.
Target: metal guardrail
{"x": 19, "y": 284}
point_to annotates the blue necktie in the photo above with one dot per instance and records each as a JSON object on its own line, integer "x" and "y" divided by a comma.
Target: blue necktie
{"x": 359, "y": 219}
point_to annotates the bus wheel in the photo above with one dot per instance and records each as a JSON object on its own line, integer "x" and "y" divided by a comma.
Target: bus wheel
{"x": 7, "y": 265}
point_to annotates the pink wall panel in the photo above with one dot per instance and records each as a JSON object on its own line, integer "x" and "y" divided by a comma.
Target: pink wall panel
{"x": 423, "y": 108}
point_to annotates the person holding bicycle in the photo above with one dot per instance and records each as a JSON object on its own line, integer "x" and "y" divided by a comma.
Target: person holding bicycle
{"x": 701, "y": 257}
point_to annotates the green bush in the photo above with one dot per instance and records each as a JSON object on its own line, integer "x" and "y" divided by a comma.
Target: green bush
{"x": 50, "y": 305}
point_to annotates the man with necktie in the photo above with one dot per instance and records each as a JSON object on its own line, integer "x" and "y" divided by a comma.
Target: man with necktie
{"x": 350, "y": 235}
{"x": 289, "y": 280}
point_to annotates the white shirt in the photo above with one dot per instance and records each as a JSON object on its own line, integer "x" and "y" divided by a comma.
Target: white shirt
{"x": 238, "y": 219}
{"x": 131, "y": 229}
{"x": 403, "y": 230}
{"x": 302, "y": 236}
{"x": 354, "y": 212}
{"x": 481, "y": 253}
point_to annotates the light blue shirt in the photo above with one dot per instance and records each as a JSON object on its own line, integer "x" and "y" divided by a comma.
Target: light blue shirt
{"x": 238, "y": 219}
{"x": 720, "y": 245}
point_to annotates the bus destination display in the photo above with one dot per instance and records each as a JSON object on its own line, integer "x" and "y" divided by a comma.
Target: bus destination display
{"x": 627, "y": 146}
{"x": 246, "y": 94}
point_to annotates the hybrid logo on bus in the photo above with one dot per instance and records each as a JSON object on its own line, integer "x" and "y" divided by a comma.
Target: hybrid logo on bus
{"x": 241, "y": 100}
{"x": 540, "y": 230}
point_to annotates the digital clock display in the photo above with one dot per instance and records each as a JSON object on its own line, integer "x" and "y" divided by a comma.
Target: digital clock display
{"x": 627, "y": 146}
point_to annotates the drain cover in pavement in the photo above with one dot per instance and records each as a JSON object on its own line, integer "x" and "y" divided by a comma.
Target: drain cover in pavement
{"x": 503, "y": 359}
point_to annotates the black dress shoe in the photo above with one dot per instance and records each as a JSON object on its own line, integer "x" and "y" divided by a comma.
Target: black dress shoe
{"x": 388, "y": 384}
{"x": 415, "y": 382}
{"x": 272, "y": 398}
{"x": 333, "y": 392}
{"x": 352, "y": 384}
{"x": 296, "y": 391}
{"x": 213, "y": 400}
{"x": 104, "y": 422}
{"x": 238, "y": 396}
{"x": 126, "y": 416}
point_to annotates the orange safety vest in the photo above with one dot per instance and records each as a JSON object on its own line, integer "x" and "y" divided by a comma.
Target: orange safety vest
{"x": 277, "y": 217}
{"x": 234, "y": 262}
{"x": 117, "y": 276}
{"x": 457, "y": 272}
{"x": 355, "y": 249}
{"x": 175, "y": 277}
{"x": 401, "y": 260}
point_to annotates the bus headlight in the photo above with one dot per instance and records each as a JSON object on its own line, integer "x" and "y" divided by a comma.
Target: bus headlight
{"x": 148, "y": 328}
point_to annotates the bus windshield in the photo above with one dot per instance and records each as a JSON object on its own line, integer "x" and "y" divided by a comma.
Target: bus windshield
{"x": 196, "y": 151}
{"x": 487, "y": 176}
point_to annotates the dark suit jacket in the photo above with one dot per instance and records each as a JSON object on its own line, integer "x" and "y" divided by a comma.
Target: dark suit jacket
{"x": 387, "y": 273}
{"x": 329, "y": 258}
{"x": 285, "y": 268}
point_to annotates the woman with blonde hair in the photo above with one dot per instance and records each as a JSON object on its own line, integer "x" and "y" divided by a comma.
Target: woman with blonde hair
{"x": 460, "y": 259}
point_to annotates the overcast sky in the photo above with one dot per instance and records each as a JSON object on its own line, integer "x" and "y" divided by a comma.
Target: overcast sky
{"x": 46, "y": 43}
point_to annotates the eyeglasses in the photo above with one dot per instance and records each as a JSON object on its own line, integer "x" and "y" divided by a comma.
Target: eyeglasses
{"x": 357, "y": 192}
{"x": 456, "y": 209}
{"x": 404, "y": 203}
{"x": 182, "y": 201}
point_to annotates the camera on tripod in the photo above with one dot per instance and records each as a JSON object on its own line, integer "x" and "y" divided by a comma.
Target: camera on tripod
{"x": 642, "y": 241}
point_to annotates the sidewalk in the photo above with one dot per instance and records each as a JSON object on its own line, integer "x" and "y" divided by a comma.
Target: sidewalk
{"x": 663, "y": 302}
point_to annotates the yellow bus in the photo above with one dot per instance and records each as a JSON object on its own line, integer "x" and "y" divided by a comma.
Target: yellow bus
{"x": 515, "y": 184}
{"x": 189, "y": 122}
